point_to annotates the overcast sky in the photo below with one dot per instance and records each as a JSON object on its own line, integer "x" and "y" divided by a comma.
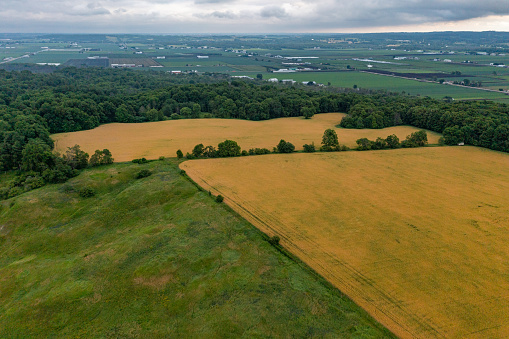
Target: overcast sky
{"x": 251, "y": 16}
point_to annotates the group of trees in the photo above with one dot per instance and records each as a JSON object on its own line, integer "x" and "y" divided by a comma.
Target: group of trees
{"x": 225, "y": 149}
{"x": 477, "y": 123}
{"x": 39, "y": 165}
{"x": 416, "y": 139}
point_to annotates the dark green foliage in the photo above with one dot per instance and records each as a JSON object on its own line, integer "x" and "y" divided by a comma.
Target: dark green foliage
{"x": 258, "y": 151}
{"x": 244, "y": 153}
{"x": 392, "y": 141}
{"x": 416, "y": 139}
{"x": 180, "y": 155}
{"x": 364, "y": 144}
{"x": 330, "y": 141}
{"x": 309, "y": 148}
{"x": 143, "y": 174}
{"x": 161, "y": 158}
{"x": 86, "y": 192}
{"x": 209, "y": 152}
{"x": 219, "y": 198}
{"x": 198, "y": 150}
{"x": 140, "y": 161}
{"x": 380, "y": 143}
{"x": 36, "y": 156}
{"x": 274, "y": 240}
{"x": 228, "y": 148}
{"x": 285, "y": 147}
{"x": 76, "y": 158}
{"x": 453, "y": 135}
{"x": 60, "y": 172}
{"x": 308, "y": 111}
{"x": 99, "y": 158}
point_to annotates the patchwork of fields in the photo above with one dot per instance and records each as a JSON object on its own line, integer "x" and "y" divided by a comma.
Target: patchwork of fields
{"x": 417, "y": 237}
{"x": 154, "y": 139}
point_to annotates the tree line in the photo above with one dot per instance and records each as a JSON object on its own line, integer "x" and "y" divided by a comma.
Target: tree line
{"x": 477, "y": 123}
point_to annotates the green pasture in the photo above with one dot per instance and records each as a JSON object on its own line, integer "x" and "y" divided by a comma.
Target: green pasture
{"x": 374, "y": 81}
{"x": 154, "y": 258}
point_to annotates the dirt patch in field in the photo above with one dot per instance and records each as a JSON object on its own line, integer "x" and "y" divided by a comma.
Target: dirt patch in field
{"x": 157, "y": 283}
{"x": 154, "y": 139}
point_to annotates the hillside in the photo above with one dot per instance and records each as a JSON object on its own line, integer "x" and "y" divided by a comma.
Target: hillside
{"x": 153, "y": 257}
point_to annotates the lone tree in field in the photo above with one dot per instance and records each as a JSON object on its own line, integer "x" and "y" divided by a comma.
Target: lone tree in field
{"x": 330, "y": 141}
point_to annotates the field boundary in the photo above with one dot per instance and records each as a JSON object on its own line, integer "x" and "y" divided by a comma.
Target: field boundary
{"x": 281, "y": 249}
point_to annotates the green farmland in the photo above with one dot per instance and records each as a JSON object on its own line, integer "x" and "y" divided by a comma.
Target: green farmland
{"x": 238, "y": 56}
{"x": 375, "y": 81}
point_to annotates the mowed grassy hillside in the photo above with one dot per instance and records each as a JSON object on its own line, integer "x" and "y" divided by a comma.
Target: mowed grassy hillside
{"x": 153, "y": 258}
{"x": 418, "y": 237}
{"x": 153, "y": 139}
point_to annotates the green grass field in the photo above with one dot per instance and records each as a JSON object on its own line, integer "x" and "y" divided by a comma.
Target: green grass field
{"x": 154, "y": 258}
{"x": 374, "y": 81}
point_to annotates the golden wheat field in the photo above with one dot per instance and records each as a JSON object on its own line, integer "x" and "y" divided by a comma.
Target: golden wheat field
{"x": 154, "y": 139}
{"x": 417, "y": 237}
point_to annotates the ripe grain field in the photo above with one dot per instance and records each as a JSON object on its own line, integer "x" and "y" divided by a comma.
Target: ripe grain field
{"x": 154, "y": 139}
{"x": 417, "y": 237}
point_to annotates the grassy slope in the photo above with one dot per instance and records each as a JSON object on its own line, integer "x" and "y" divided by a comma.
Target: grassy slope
{"x": 153, "y": 257}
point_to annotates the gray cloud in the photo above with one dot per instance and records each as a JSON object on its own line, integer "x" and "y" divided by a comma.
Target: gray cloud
{"x": 224, "y": 15}
{"x": 273, "y": 12}
{"x": 166, "y": 16}
{"x": 200, "y": 2}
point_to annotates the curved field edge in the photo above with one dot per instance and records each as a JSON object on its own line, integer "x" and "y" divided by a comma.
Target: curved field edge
{"x": 154, "y": 139}
{"x": 416, "y": 237}
{"x": 154, "y": 257}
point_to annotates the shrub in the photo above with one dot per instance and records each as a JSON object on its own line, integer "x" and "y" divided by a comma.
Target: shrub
{"x": 34, "y": 182}
{"x": 101, "y": 158}
{"x": 274, "y": 240}
{"x": 4, "y": 192}
{"x": 309, "y": 148}
{"x": 219, "y": 198}
{"x": 86, "y": 192}
{"x": 143, "y": 174}
{"x": 14, "y": 191}
{"x": 140, "y": 161}
{"x": 180, "y": 155}
{"x": 161, "y": 158}
{"x": 285, "y": 147}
